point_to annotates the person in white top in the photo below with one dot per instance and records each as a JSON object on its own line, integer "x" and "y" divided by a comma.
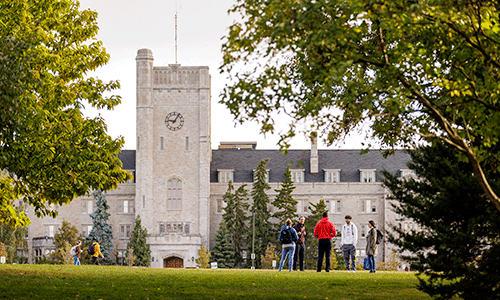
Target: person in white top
{"x": 349, "y": 238}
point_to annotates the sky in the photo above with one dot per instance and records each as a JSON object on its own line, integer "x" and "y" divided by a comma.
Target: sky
{"x": 125, "y": 26}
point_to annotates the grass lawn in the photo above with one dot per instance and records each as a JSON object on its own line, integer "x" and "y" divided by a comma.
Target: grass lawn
{"x": 107, "y": 282}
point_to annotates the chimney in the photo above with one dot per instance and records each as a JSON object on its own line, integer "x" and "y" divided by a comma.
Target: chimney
{"x": 314, "y": 152}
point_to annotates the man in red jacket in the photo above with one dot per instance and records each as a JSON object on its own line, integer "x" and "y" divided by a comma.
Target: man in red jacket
{"x": 324, "y": 231}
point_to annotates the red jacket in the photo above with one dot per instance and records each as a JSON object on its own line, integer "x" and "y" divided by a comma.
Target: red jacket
{"x": 325, "y": 229}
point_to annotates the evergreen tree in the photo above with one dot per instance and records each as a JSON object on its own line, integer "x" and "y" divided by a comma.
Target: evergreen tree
{"x": 235, "y": 217}
{"x": 223, "y": 252}
{"x": 142, "y": 251}
{"x": 260, "y": 210}
{"x": 101, "y": 230}
{"x": 457, "y": 242}
{"x": 284, "y": 201}
{"x": 68, "y": 235}
{"x": 311, "y": 255}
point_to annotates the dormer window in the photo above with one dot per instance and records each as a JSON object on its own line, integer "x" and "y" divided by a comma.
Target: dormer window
{"x": 225, "y": 175}
{"x": 367, "y": 175}
{"x": 332, "y": 175}
{"x": 297, "y": 175}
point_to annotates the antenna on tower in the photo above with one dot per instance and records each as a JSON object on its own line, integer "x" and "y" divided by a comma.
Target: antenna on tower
{"x": 175, "y": 32}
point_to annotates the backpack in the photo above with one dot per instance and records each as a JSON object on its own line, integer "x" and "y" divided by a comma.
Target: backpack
{"x": 91, "y": 250}
{"x": 380, "y": 236}
{"x": 286, "y": 236}
{"x": 72, "y": 252}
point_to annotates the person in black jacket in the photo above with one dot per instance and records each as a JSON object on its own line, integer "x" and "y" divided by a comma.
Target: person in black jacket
{"x": 300, "y": 247}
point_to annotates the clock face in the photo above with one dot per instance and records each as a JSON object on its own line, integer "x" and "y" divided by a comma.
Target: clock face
{"x": 174, "y": 121}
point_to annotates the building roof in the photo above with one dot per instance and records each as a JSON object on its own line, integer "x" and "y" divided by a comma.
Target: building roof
{"x": 244, "y": 161}
{"x": 128, "y": 159}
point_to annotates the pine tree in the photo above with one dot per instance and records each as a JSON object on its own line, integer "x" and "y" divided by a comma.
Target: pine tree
{"x": 235, "y": 217}
{"x": 223, "y": 252}
{"x": 311, "y": 255}
{"x": 142, "y": 251}
{"x": 284, "y": 201}
{"x": 456, "y": 244}
{"x": 101, "y": 230}
{"x": 203, "y": 260}
{"x": 260, "y": 211}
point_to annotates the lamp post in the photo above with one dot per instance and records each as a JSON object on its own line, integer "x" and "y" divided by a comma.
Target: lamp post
{"x": 253, "y": 242}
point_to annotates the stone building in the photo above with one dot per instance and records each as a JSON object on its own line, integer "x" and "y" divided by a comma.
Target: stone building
{"x": 179, "y": 180}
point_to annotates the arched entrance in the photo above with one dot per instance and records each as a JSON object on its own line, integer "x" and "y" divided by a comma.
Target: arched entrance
{"x": 173, "y": 262}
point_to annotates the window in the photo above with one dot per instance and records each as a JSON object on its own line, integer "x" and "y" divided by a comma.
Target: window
{"x": 126, "y": 206}
{"x": 367, "y": 175}
{"x": 49, "y": 230}
{"x": 297, "y": 175}
{"x": 332, "y": 175}
{"x": 368, "y": 206}
{"x": 187, "y": 143}
{"x": 363, "y": 230}
{"x": 174, "y": 194}
{"x": 125, "y": 231}
{"x": 221, "y": 204}
{"x": 333, "y": 206}
{"x": 86, "y": 229}
{"x": 87, "y": 206}
{"x": 161, "y": 143}
{"x": 302, "y": 206}
{"x": 225, "y": 175}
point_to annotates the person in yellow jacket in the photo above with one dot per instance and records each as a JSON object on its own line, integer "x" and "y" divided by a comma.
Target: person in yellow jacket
{"x": 97, "y": 253}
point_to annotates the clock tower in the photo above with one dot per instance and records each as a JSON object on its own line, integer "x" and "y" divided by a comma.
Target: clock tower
{"x": 173, "y": 159}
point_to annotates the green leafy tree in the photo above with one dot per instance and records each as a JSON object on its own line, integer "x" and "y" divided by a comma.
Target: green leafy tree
{"x": 260, "y": 210}
{"x": 137, "y": 242}
{"x": 456, "y": 246}
{"x": 203, "y": 260}
{"x": 223, "y": 252}
{"x": 235, "y": 217}
{"x": 311, "y": 253}
{"x": 101, "y": 230}
{"x": 67, "y": 235}
{"x": 14, "y": 240}
{"x": 269, "y": 256}
{"x": 284, "y": 201}
{"x": 52, "y": 152}
{"x": 411, "y": 70}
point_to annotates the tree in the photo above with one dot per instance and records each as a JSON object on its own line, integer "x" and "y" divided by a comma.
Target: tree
{"x": 137, "y": 242}
{"x": 52, "y": 152}
{"x": 268, "y": 257}
{"x": 235, "y": 217}
{"x": 413, "y": 70}
{"x": 68, "y": 235}
{"x": 101, "y": 231}
{"x": 260, "y": 210}
{"x": 311, "y": 255}
{"x": 223, "y": 252}
{"x": 14, "y": 239}
{"x": 456, "y": 245}
{"x": 203, "y": 260}
{"x": 284, "y": 201}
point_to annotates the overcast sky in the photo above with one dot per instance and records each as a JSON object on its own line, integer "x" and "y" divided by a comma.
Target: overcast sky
{"x": 126, "y": 26}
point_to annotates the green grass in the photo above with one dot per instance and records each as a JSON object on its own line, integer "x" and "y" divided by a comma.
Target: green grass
{"x": 105, "y": 282}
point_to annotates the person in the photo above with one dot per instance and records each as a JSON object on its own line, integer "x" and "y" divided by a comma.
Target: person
{"x": 76, "y": 251}
{"x": 287, "y": 245}
{"x": 300, "y": 247}
{"x": 97, "y": 253}
{"x": 348, "y": 243}
{"x": 371, "y": 245}
{"x": 324, "y": 231}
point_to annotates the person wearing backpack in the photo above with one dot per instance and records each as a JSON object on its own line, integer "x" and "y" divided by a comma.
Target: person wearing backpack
{"x": 95, "y": 251}
{"x": 325, "y": 232}
{"x": 371, "y": 245}
{"x": 288, "y": 237}
{"x": 75, "y": 252}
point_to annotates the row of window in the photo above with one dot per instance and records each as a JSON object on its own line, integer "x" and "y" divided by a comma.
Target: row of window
{"x": 51, "y": 230}
{"x": 124, "y": 206}
{"x": 298, "y": 175}
{"x": 163, "y": 144}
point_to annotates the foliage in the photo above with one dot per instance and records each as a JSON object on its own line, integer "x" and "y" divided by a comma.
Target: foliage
{"x": 117, "y": 282}
{"x": 268, "y": 257}
{"x": 101, "y": 230}
{"x": 203, "y": 260}
{"x": 411, "y": 70}
{"x": 311, "y": 253}
{"x": 3, "y": 251}
{"x": 67, "y": 235}
{"x": 53, "y": 153}
{"x": 63, "y": 254}
{"x": 457, "y": 242}
{"x": 284, "y": 201}
{"x": 235, "y": 217}
{"x": 130, "y": 258}
{"x": 223, "y": 252}
{"x": 14, "y": 239}
{"x": 392, "y": 262}
{"x": 142, "y": 250}
{"x": 261, "y": 214}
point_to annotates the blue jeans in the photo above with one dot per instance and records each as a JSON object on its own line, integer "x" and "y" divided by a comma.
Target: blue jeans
{"x": 76, "y": 260}
{"x": 349, "y": 254}
{"x": 371, "y": 263}
{"x": 287, "y": 251}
